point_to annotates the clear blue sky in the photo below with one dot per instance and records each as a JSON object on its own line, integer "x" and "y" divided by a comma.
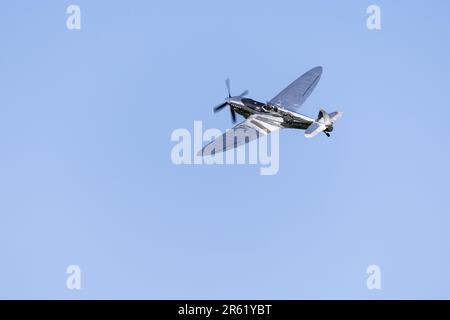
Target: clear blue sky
{"x": 86, "y": 176}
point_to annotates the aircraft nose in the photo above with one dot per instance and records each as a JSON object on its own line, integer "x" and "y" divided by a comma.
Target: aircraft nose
{"x": 233, "y": 100}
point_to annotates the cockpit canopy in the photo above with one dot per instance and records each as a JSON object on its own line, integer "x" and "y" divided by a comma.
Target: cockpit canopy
{"x": 253, "y": 104}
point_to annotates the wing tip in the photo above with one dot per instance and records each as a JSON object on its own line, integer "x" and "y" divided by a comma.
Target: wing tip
{"x": 318, "y": 69}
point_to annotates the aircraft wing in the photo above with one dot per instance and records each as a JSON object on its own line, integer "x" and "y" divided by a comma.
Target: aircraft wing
{"x": 298, "y": 91}
{"x": 251, "y": 129}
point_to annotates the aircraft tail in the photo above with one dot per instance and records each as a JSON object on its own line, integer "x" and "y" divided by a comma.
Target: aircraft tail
{"x": 324, "y": 123}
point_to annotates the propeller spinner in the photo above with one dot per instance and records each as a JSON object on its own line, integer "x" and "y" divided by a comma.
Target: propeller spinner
{"x": 228, "y": 101}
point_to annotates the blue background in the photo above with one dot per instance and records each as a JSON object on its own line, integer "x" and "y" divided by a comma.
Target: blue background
{"x": 86, "y": 176}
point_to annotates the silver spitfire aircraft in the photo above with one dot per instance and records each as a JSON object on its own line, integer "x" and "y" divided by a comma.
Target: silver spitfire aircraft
{"x": 264, "y": 118}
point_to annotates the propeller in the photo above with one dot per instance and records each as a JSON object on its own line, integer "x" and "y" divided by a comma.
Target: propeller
{"x": 227, "y": 83}
{"x": 227, "y": 101}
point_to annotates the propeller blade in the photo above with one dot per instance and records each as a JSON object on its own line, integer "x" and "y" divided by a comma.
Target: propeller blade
{"x": 227, "y": 83}
{"x": 219, "y": 107}
{"x": 328, "y": 135}
{"x": 233, "y": 115}
{"x": 243, "y": 94}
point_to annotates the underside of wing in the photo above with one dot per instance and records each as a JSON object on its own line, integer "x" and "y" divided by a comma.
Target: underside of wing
{"x": 251, "y": 129}
{"x": 298, "y": 91}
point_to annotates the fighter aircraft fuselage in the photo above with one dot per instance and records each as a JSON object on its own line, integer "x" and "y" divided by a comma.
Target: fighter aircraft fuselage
{"x": 284, "y": 118}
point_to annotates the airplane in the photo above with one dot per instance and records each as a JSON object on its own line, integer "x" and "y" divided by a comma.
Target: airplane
{"x": 264, "y": 118}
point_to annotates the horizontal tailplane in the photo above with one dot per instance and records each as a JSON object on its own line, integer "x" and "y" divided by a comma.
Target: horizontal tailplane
{"x": 324, "y": 123}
